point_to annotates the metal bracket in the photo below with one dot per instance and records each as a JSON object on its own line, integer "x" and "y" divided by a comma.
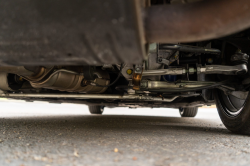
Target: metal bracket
{"x": 163, "y": 61}
{"x": 166, "y": 57}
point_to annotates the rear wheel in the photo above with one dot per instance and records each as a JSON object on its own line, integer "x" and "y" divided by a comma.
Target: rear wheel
{"x": 234, "y": 112}
{"x": 93, "y": 109}
{"x": 188, "y": 112}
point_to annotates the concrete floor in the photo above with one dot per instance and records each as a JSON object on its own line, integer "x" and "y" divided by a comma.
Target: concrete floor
{"x": 66, "y": 134}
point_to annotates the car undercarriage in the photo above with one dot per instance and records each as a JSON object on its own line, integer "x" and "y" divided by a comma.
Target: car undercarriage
{"x": 129, "y": 53}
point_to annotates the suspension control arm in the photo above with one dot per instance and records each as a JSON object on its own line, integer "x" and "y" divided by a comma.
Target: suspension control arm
{"x": 220, "y": 69}
{"x": 209, "y": 69}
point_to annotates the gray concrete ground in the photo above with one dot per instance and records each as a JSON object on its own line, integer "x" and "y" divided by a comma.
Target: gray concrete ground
{"x": 66, "y": 134}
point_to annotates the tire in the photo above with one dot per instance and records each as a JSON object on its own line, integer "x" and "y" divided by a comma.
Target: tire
{"x": 188, "y": 112}
{"x": 93, "y": 109}
{"x": 234, "y": 113}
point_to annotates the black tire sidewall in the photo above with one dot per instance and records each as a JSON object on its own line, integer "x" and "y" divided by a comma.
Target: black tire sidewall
{"x": 239, "y": 123}
{"x": 188, "y": 112}
{"x": 96, "y": 109}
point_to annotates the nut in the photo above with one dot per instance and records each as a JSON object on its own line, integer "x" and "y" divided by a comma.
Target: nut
{"x": 129, "y": 71}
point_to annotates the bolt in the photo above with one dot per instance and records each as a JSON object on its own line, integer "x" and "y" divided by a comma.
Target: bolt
{"x": 137, "y": 69}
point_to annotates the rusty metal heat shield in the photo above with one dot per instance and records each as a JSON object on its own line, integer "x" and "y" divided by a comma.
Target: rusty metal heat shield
{"x": 65, "y": 32}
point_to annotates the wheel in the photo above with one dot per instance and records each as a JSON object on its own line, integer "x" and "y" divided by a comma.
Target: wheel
{"x": 234, "y": 112}
{"x": 188, "y": 112}
{"x": 93, "y": 109}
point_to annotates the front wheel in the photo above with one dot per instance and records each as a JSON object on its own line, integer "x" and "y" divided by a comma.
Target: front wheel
{"x": 188, "y": 112}
{"x": 234, "y": 112}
